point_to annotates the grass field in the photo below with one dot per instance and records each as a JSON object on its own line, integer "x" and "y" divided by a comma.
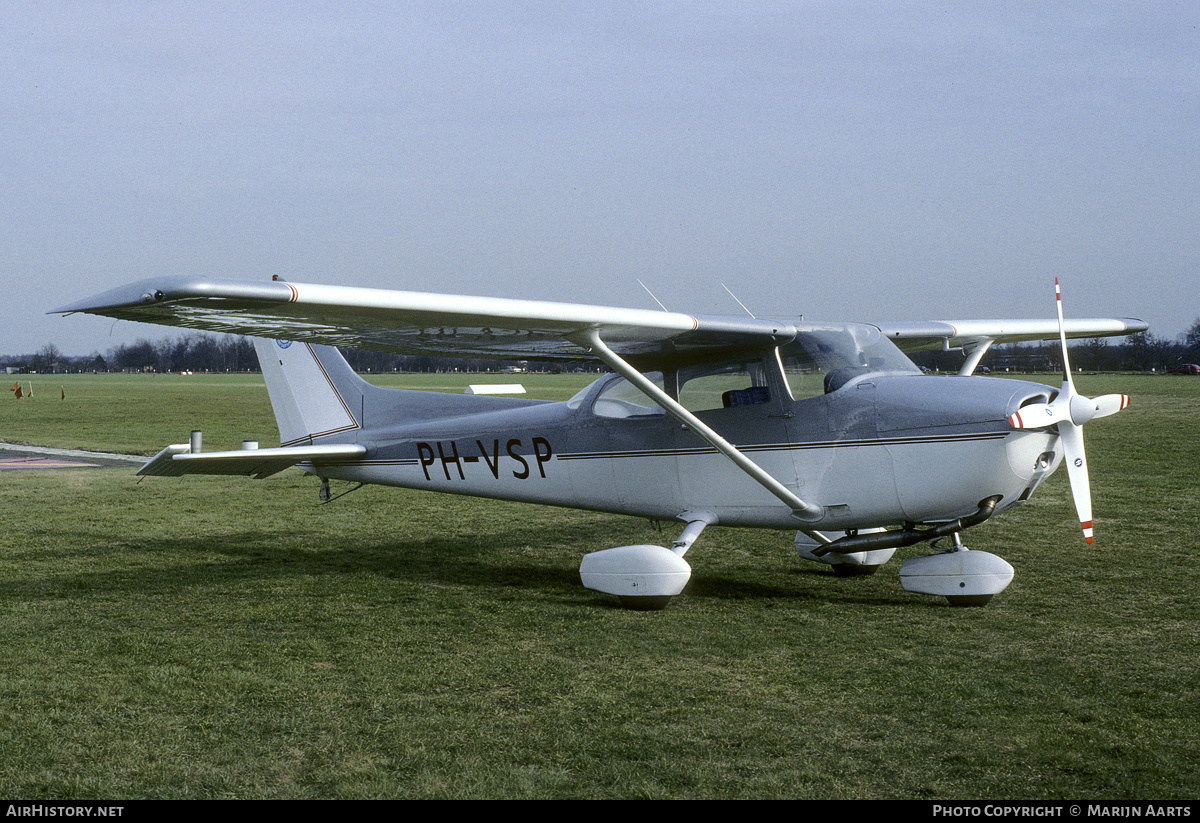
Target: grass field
{"x": 227, "y": 638}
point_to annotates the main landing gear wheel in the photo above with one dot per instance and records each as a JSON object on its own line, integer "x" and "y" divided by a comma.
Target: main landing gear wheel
{"x": 845, "y": 564}
{"x": 644, "y": 578}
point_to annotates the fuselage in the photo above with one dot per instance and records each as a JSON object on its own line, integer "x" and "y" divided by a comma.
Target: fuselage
{"x": 879, "y": 449}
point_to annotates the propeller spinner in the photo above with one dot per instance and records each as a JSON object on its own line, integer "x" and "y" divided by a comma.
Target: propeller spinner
{"x": 1067, "y": 412}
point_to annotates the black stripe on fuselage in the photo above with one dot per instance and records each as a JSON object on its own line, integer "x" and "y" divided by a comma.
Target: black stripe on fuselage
{"x": 777, "y": 447}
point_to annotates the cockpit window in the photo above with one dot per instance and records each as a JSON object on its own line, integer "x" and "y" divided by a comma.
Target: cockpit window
{"x": 822, "y": 360}
{"x": 703, "y": 387}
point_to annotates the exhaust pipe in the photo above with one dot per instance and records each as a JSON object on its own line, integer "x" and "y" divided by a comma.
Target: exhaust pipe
{"x": 907, "y": 537}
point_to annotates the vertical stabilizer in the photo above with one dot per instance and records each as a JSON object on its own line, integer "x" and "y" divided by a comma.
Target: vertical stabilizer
{"x": 314, "y": 392}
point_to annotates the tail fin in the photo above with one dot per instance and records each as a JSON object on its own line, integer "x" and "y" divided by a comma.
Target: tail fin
{"x": 314, "y": 392}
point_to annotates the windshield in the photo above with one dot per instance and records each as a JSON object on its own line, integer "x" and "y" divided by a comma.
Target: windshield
{"x": 823, "y": 359}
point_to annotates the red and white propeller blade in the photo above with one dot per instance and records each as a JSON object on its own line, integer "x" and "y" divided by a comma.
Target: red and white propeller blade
{"x": 1043, "y": 415}
{"x": 1077, "y": 473}
{"x": 1067, "y": 413}
{"x": 1110, "y": 404}
{"x": 1062, "y": 337}
{"x": 1066, "y": 406}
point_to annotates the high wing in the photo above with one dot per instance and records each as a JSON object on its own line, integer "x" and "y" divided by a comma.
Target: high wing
{"x": 975, "y": 337}
{"x": 421, "y": 323}
{"x": 463, "y": 326}
{"x": 954, "y": 334}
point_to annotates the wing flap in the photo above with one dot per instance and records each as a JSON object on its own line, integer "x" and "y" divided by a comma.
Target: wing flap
{"x": 177, "y": 460}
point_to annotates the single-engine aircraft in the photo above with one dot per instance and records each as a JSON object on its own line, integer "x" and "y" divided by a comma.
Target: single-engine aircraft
{"x": 825, "y": 428}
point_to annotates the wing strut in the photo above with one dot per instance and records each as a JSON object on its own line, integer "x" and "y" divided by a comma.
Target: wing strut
{"x": 974, "y": 351}
{"x": 590, "y": 339}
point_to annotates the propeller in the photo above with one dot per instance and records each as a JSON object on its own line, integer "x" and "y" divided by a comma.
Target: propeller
{"x": 1067, "y": 412}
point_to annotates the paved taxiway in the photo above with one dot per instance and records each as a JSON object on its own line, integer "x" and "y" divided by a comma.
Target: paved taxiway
{"x": 16, "y": 457}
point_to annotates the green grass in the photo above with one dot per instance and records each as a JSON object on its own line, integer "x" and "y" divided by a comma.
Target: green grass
{"x": 221, "y": 637}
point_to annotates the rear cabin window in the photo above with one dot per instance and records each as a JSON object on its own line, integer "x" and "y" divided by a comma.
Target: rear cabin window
{"x": 620, "y": 398}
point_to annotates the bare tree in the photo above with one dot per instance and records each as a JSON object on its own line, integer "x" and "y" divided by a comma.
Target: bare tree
{"x": 48, "y": 358}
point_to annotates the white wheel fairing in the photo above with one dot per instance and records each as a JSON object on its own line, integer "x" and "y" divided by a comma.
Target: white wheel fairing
{"x": 959, "y": 574}
{"x": 635, "y": 571}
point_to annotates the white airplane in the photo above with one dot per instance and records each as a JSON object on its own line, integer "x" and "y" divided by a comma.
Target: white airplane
{"x": 825, "y": 428}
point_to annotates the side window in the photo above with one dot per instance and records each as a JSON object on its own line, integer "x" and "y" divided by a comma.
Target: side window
{"x": 805, "y": 378}
{"x": 620, "y": 398}
{"x": 724, "y": 386}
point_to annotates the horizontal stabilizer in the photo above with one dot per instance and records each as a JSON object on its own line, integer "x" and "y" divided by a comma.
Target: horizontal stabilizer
{"x": 177, "y": 460}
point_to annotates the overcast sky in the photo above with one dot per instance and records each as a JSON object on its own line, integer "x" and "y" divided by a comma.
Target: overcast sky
{"x": 840, "y": 160}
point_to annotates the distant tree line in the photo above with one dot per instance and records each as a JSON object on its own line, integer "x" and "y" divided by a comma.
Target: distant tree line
{"x": 199, "y": 352}
{"x": 195, "y": 352}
